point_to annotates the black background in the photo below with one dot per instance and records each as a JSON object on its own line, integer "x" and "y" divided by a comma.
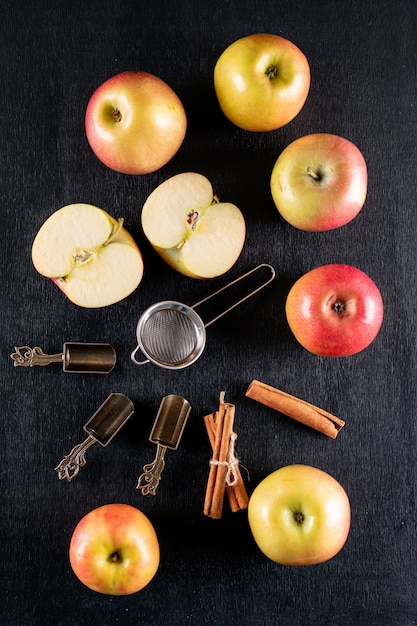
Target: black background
{"x": 363, "y": 66}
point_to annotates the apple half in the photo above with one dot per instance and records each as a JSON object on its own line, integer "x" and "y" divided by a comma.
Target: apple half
{"x": 89, "y": 255}
{"x": 190, "y": 229}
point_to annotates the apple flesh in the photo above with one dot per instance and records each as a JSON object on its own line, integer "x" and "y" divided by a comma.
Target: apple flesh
{"x": 299, "y": 515}
{"x": 89, "y": 255}
{"x": 319, "y": 182}
{"x": 334, "y": 310}
{"x": 114, "y": 550}
{"x": 261, "y": 82}
{"x": 135, "y": 123}
{"x": 193, "y": 232}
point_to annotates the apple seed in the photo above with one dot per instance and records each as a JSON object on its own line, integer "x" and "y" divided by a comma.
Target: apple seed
{"x": 192, "y": 219}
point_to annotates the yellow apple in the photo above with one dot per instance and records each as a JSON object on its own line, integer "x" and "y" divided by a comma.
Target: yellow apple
{"x": 89, "y": 255}
{"x": 193, "y": 232}
{"x": 261, "y": 82}
{"x": 299, "y": 515}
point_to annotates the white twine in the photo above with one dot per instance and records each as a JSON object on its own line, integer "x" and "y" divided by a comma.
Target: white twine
{"x": 231, "y": 463}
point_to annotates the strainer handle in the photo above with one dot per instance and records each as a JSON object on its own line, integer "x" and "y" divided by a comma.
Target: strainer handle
{"x": 132, "y": 356}
{"x": 249, "y": 295}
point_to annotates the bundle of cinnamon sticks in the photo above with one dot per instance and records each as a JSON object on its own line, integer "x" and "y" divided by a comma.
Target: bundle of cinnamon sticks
{"x": 224, "y": 475}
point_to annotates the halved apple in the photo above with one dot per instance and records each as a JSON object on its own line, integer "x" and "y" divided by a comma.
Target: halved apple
{"x": 190, "y": 229}
{"x": 89, "y": 255}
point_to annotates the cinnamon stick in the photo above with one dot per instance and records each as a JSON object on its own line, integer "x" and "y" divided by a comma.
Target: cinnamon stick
{"x": 216, "y": 458}
{"x": 220, "y": 463}
{"x": 219, "y": 426}
{"x": 297, "y": 409}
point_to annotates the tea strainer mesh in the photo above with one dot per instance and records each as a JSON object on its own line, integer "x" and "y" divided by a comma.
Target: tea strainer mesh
{"x": 170, "y": 336}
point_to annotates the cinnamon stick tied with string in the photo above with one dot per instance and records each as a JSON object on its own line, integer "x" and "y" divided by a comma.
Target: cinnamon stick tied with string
{"x": 224, "y": 475}
{"x": 297, "y": 409}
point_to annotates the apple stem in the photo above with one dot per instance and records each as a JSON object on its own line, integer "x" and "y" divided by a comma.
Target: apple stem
{"x": 313, "y": 174}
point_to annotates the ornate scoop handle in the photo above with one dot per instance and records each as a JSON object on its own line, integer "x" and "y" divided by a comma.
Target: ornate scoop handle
{"x": 70, "y": 465}
{"x": 28, "y": 357}
{"x": 148, "y": 481}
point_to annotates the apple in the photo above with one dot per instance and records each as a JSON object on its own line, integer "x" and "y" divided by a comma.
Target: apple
{"x": 114, "y": 550}
{"x": 319, "y": 182}
{"x": 89, "y": 255}
{"x": 135, "y": 123}
{"x": 261, "y": 82}
{"x": 334, "y": 310}
{"x": 299, "y": 515}
{"x": 190, "y": 229}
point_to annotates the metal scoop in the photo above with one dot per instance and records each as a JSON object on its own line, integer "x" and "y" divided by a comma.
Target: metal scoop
{"x": 173, "y": 335}
{"x": 166, "y": 434}
{"x": 100, "y": 428}
{"x": 82, "y": 358}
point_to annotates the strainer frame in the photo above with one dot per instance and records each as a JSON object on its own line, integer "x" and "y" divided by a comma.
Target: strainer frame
{"x": 200, "y": 334}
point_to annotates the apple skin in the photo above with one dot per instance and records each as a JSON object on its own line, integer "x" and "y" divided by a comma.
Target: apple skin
{"x": 261, "y": 82}
{"x": 319, "y": 182}
{"x": 135, "y": 123}
{"x": 114, "y": 550}
{"x": 334, "y": 310}
{"x": 299, "y": 515}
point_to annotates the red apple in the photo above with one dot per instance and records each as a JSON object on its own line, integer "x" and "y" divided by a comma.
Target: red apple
{"x": 319, "y": 182}
{"x": 299, "y": 515}
{"x": 261, "y": 82}
{"x": 335, "y": 310}
{"x": 135, "y": 123}
{"x": 114, "y": 550}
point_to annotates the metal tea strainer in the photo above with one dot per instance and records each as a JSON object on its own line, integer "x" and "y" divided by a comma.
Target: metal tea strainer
{"x": 172, "y": 335}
